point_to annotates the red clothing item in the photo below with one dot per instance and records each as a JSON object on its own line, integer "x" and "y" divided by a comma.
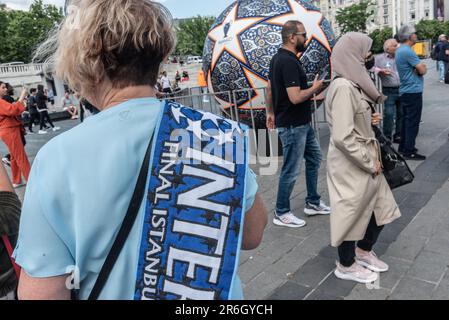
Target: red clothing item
{"x": 20, "y": 166}
{"x": 9, "y": 114}
{"x": 11, "y": 134}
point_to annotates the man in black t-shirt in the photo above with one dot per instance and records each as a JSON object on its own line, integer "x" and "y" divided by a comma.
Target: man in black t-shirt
{"x": 289, "y": 110}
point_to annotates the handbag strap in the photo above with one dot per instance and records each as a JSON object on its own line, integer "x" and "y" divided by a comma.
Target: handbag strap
{"x": 126, "y": 226}
{"x": 9, "y": 249}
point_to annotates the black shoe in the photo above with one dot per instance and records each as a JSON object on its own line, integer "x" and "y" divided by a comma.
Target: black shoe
{"x": 415, "y": 156}
{"x": 397, "y": 140}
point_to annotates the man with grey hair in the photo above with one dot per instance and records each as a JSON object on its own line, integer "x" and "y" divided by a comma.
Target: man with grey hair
{"x": 442, "y": 55}
{"x": 411, "y": 74}
{"x": 386, "y": 67}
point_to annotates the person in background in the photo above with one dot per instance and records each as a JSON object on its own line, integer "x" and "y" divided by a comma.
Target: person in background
{"x": 69, "y": 106}
{"x": 185, "y": 76}
{"x": 41, "y": 103}
{"x": 361, "y": 200}
{"x": 411, "y": 75}
{"x": 51, "y": 97}
{"x": 11, "y": 132}
{"x": 165, "y": 82}
{"x": 9, "y": 97}
{"x": 32, "y": 109}
{"x": 442, "y": 56}
{"x": 386, "y": 67}
{"x": 9, "y": 229}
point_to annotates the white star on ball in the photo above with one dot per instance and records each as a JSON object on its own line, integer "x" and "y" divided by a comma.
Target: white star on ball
{"x": 310, "y": 19}
{"x": 231, "y": 42}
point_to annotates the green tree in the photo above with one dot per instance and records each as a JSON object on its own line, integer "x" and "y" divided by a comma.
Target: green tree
{"x": 431, "y": 29}
{"x": 191, "y": 35}
{"x": 379, "y": 37}
{"x": 355, "y": 17}
{"x": 24, "y": 30}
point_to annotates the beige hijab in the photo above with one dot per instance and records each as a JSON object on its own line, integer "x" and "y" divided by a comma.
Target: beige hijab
{"x": 348, "y": 61}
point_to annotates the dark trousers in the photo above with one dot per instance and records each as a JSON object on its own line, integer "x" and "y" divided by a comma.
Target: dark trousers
{"x": 412, "y": 104}
{"x": 392, "y": 122}
{"x": 33, "y": 117}
{"x": 44, "y": 116}
{"x": 346, "y": 251}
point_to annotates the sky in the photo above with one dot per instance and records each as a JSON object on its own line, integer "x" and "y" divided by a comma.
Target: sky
{"x": 178, "y": 8}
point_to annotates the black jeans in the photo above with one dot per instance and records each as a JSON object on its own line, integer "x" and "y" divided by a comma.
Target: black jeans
{"x": 44, "y": 116}
{"x": 33, "y": 117}
{"x": 412, "y": 104}
{"x": 346, "y": 251}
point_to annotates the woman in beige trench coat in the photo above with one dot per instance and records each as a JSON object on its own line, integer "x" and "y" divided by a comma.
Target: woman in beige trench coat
{"x": 361, "y": 200}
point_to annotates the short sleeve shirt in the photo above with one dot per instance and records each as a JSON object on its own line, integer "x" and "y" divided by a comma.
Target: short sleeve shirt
{"x": 79, "y": 189}
{"x": 165, "y": 82}
{"x": 286, "y": 71}
{"x": 406, "y": 61}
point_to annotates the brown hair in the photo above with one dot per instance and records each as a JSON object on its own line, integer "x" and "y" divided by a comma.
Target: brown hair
{"x": 123, "y": 41}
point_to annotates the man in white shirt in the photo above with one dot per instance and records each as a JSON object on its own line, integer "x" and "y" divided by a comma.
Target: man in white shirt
{"x": 166, "y": 87}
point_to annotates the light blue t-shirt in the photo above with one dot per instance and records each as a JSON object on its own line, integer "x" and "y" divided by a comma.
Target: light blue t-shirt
{"x": 406, "y": 61}
{"x": 78, "y": 192}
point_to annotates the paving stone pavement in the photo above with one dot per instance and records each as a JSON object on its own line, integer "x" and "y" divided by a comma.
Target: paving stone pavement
{"x": 297, "y": 264}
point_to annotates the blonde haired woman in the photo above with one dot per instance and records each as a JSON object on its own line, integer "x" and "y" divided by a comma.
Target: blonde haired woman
{"x": 361, "y": 200}
{"x": 123, "y": 236}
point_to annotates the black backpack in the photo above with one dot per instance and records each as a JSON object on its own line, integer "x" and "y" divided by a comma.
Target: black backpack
{"x": 435, "y": 51}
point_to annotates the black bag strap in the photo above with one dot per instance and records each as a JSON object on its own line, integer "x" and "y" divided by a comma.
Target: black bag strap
{"x": 126, "y": 227}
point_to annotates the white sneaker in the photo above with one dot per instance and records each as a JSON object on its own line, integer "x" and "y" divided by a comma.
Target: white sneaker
{"x": 355, "y": 273}
{"x": 370, "y": 261}
{"x": 56, "y": 129}
{"x": 18, "y": 185}
{"x": 288, "y": 220}
{"x": 313, "y": 210}
{"x": 6, "y": 161}
{"x": 42, "y": 132}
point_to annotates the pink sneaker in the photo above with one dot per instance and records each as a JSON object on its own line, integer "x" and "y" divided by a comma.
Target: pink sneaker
{"x": 355, "y": 273}
{"x": 370, "y": 260}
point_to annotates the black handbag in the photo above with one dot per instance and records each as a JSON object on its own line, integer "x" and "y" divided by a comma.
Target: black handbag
{"x": 395, "y": 168}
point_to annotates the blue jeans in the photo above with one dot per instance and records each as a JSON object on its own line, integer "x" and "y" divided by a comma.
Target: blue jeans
{"x": 412, "y": 104}
{"x": 392, "y": 113}
{"x": 298, "y": 143}
{"x": 442, "y": 69}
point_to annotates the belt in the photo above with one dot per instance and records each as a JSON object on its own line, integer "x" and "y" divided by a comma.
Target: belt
{"x": 390, "y": 88}
{"x": 369, "y": 141}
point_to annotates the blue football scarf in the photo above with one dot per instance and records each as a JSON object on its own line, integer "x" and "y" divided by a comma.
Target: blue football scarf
{"x": 191, "y": 235}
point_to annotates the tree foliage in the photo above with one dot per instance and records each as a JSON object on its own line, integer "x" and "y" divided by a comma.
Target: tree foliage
{"x": 191, "y": 34}
{"x": 379, "y": 37}
{"x": 22, "y": 31}
{"x": 431, "y": 29}
{"x": 355, "y": 17}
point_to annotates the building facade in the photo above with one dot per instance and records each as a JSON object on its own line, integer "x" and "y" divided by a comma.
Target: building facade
{"x": 32, "y": 75}
{"x": 389, "y": 13}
